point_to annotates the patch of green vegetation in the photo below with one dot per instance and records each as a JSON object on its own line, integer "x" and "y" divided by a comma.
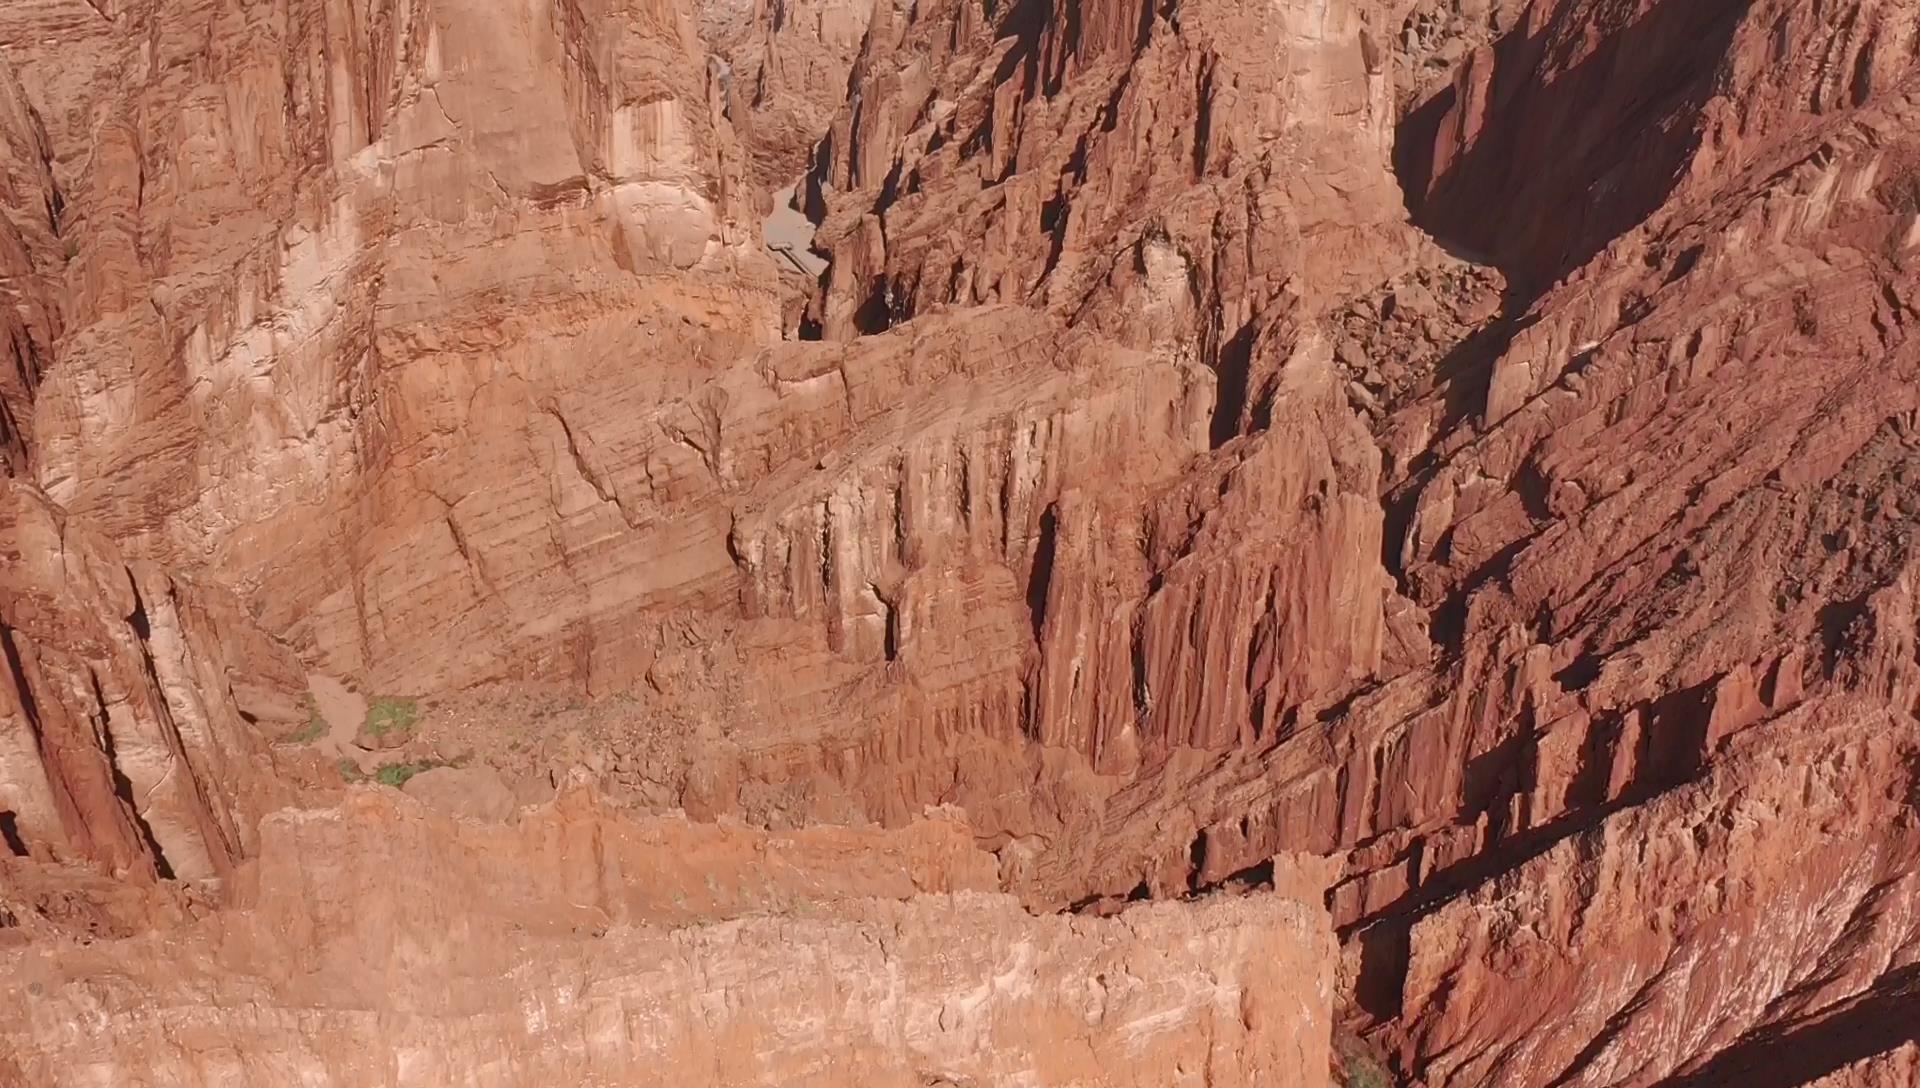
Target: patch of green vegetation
{"x": 1360, "y": 1065}
{"x": 350, "y": 771}
{"x": 73, "y": 248}
{"x": 312, "y": 731}
{"x": 315, "y": 728}
{"x": 391, "y": 714}
{"x": 396, "y": 774}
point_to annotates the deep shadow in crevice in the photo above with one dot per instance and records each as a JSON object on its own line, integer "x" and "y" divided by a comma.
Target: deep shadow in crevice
{"x": 1233, "y": 366}
{"x": 10, "y": 834}
{"x": 1040, "y": 580}
{"x": 875, "y": 314}
{"x": 1248, "y": 878}
{"x": 1385, "y": 949}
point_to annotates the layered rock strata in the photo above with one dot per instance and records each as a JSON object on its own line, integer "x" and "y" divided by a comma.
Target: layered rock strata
{"x": 340, "y": 962}
{"x": 1141, "y": 477}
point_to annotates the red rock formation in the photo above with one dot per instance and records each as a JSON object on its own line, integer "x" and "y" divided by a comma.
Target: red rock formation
{"x": 784, "y": 66}
{"x": 1140, "y": 480}
{"x": 310, "y": 306}
{"x": 28, "y": 251}
{"x": 124, "y": 709}
{"x": 341, "y": 961}
{"x": 1582, "y": 965}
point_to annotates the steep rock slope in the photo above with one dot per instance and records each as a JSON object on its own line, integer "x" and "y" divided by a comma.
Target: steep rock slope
{"x": 458, "y": 394}
{"x": 1635, "y": 513}
{"x": 28, "y": 254}
{"x": 783, "y": 66}
{"x": 348, "y": 267}
{"x": 127, "y": 707}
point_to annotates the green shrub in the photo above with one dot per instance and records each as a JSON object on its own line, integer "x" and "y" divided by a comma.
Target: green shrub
{"x": 1360, "y": 1065}
{"x": 396, "y": 774}
{"x": 391, "y": 714}
{"x": 312, "y": 731}
{"x": 315, "y": 728}
{"x": 350, "y": 771}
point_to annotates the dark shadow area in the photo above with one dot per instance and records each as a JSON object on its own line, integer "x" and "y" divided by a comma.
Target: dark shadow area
{"x": 1026, "y": 22}
{"x": 875, "y": 314}
{"x": 1199, "y": 851}
{"x": 1049, "y": 34}
{"x": 1595, "y": 774}
{"x": 1233, "y": 366}
{"x": 1040, "y": 580}
{"x": 10, "y": 834}
{"x": 1566, "y": 155}
{"x": 1582, "y": 671}
{"x": 1491, "y": 777}
{"x": 1385, "y": 949}
{"x": 1673, "y": 745}
{"x": 1836, "y": 622}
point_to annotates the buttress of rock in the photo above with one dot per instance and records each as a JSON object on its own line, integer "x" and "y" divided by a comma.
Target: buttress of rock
{"x": 127, "y": 704}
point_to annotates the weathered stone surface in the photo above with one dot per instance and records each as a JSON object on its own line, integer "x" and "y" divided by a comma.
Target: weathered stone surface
{"x": 783, "y": 67}
{"x": 347, "y": 960}
{"x": 1475, "y": 442}
{"x": 1800, "y": 900}
{"x": 125, "y": 742}
{"x": 474, "y": 792}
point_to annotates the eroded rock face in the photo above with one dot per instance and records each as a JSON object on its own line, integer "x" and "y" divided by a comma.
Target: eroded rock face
{"x": 1165, "y": 175}
{"x": 28, "y": 253}
{"x": 1581, "y": 963}
{"x": 127, "y": 704}
{"x": 349, "y": 266}
{"x": 468, "y": 369}
{"x": 783, "y": 65}
{"x": 1475, "y": 442}
{"x": 354, "y": 971}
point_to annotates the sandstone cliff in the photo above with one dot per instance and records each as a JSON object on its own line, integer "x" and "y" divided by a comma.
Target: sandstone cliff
{"x": 648, "y": 959}
{"x": 1477, "y": 442}
{"x": 128, "y": 705}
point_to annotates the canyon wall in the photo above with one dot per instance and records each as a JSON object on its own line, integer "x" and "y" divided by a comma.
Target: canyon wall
{"x": 1476, "y": 442}
{"x": 132, "y": 706}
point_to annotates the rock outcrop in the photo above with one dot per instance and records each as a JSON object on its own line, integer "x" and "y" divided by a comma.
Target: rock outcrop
{"x": 783, "y": 67}
{"x": 127, "y": 707}
{"x": 348, "y": 267}
{"x": 29, "y": 252}
{"x": 343, "y": 962}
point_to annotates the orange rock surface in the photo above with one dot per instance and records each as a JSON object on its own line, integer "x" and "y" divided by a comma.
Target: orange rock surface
{"x": 1476, "y": 444}
{"x": 374, "y": 943}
